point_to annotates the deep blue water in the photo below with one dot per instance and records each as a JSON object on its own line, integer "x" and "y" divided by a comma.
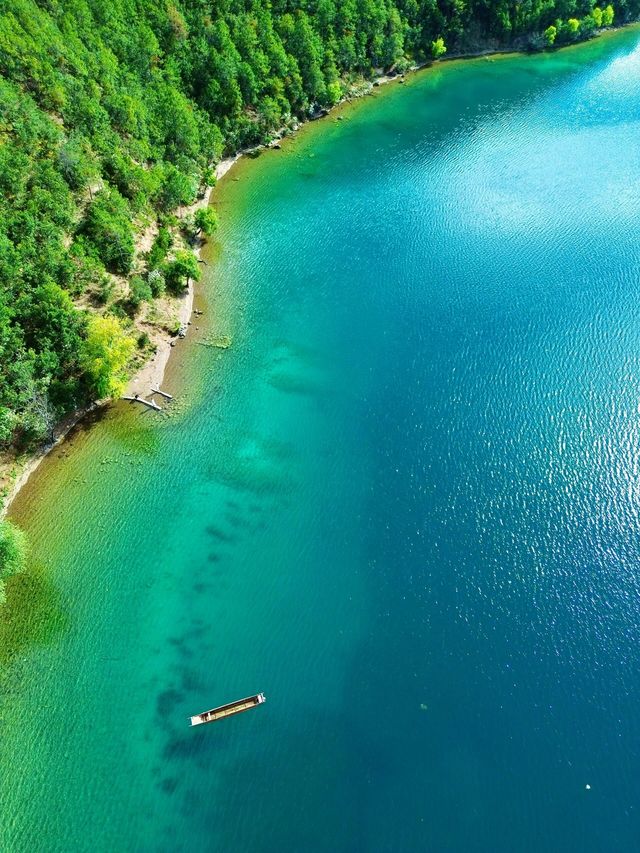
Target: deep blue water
{"x": 404, "y": 503}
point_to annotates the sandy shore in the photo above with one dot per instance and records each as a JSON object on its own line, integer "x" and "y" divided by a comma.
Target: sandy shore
{"x": 151, "y": 373}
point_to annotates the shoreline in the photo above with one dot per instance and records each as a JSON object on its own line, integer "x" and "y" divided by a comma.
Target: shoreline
{"x": 151, "y": 373}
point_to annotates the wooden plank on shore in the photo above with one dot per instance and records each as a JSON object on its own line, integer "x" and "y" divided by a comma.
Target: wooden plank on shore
{"x": 150, "y": 403}
{"x": 162, "y": 393}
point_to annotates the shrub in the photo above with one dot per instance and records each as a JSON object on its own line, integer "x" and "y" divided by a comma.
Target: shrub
{"x": 156, "y": 283}
{"x": 139, "y": 291}
{"x": 161, "y": 246}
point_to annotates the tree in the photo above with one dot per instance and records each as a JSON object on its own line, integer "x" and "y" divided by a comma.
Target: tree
{"x": 572, "y": 28}
{"x": 104, "y": 355}
{"x": 8, "y": 423}
{"x": 587, "y": 26}
{"x": 77, "y": 162}
{"x": 607, "y": 16}
{"x": 177, "y": 189}
{"x": 161, "y": 246}
{"x": 438, "y": 48}
{"x": 205, "y": 221}
{"x": 13, "y": 553}
{"x": 107, "y": 224}
{"x": 550, "y": 36}
{"x": 178, "y": 271}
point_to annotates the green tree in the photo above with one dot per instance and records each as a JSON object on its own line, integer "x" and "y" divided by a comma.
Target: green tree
{"x": 156, "y": 282}
{"x": 205, "y": 221}
{"x": 607, "y": 16}
{"x": 77, "y": 162}
{"x": 160, "y": 247}
{"x": 107, "y": 224}
{"x": 438, "y": 48}
{"x": 104, "y": 356}
{"x": 177, "y": 188}
{"x": 178, "y": 271}
{"x": 573, "y": 28}
{"x": 550, "y": 35}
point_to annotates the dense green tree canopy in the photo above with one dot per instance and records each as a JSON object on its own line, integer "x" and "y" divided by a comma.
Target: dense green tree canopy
{"x": 112, "y": 111}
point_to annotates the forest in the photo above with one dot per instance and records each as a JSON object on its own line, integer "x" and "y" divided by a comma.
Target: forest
{"x": 111, "y": 116}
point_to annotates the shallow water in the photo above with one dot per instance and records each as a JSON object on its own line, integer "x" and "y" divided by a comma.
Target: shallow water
{"x": 404, "y": 504}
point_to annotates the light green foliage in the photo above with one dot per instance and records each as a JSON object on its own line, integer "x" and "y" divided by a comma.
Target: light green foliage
{"x": 104, "y": 355}
{"x": 178, "y": 271}
{"x": 438, "y": 48}
{"x": 596, "y": 14}
{"x": 607, "y": 16}
{"x": 573, "y": 26}
{"x": 13, "y": 553}
{"x": 550, "y": 35}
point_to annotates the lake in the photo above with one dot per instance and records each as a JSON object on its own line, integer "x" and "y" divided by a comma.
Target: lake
{"x": 404, "y": 503}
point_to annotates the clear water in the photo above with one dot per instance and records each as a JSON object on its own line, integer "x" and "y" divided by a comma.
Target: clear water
{"x": 404, "y": 504}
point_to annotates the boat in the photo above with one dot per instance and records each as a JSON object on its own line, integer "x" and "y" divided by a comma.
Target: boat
{"x": 223, "y": 711}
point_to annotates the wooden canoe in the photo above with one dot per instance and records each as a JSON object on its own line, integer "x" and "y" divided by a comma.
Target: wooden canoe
{"x": 228, "y": 710}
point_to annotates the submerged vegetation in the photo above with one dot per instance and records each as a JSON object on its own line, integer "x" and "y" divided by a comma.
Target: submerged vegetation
{"x": 13, "y": 553}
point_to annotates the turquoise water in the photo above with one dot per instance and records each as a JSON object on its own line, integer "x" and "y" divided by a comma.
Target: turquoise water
{"x": 403, "y": 504}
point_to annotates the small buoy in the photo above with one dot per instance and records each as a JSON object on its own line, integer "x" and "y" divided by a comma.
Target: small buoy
{"x": 588, "y": 787}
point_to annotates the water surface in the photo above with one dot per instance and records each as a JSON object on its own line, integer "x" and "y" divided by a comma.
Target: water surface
{"x": 404, "y": 504}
